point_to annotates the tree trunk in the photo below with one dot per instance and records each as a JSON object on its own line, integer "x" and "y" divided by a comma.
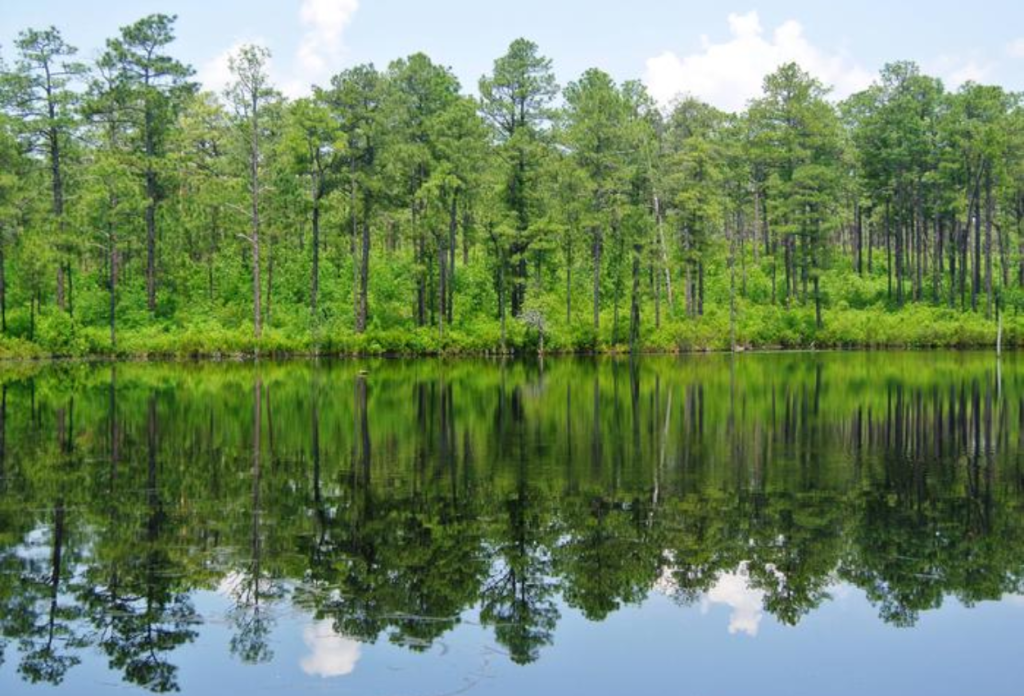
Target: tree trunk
{"x": 817, "y": 302}
{"x": 314, "y": 290}
{"x": 858, "y": 264}
{"x": 660, "y": 221}
{"x": 596, "y": 247}
{"x": 453, "y": 224}
{"x": 976, "y": 275}
{"x": 442, "y": 291}
{"x": 954, "y": 238}
{"x": 634, "y": 304}
{"x": 568, "y": 286}
{"x": 700, "y": 288}
{"x": 988, "y": 241}
{"x": 364, "y": 269}
{"x": 888, "y": 250}
{"x": 421, "y": 290}
{"x": 151, "y": 195}
{"x": 268, "y": 317}
{"x": 254, "y": 191}
{"x": 3, "y": 291}
{"x": 112, "y": 251}
{"x": 656, "y": 288}
{"x": 57, "y": 184}
{"x": 151, "y": 243}
{"x": 71, "y": 288}
{"x": 501, "y": 298}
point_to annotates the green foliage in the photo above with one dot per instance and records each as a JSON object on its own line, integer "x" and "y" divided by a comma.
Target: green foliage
{"x": 390, "y": 212}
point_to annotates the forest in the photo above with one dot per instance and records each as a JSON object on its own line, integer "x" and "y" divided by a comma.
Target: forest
{"x": 391, "y": 211}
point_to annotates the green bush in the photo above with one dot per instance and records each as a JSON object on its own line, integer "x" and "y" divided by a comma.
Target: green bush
{"x": 58, "y": 334}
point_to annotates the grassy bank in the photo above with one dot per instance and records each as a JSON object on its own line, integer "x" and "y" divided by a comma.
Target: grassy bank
{"x": 756, "y": 327}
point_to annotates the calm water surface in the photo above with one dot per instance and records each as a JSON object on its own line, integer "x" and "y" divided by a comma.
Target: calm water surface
{"x": 715, "y": 525}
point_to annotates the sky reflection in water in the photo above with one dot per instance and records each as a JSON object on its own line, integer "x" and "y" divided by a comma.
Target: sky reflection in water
{"x": 807, "y": 523}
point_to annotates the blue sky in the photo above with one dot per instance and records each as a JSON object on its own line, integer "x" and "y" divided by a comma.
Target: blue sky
{"x": 719, "y": 52}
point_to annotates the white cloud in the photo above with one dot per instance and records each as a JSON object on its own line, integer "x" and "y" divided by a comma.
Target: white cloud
{"x": 971, "y": 71}
{"x": 333, "y": 655}
{"x": 316, "y": 58}
{"x": 1016, "y": 48}
{"x": 215, "y": 74}
{"x": 321, "y": 46}
{"x": 955, "y": 70}
{"x": 734, "y": 591}
{"x": 731, "y": 73}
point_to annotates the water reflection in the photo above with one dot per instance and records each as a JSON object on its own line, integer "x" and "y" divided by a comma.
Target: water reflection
{"x": 395, "y": 500}
{"x": 736, "y": 591}
{"x": 332, "y": 655}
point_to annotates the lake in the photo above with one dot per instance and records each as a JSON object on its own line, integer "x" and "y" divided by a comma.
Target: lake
{"x": 800, "y": 523}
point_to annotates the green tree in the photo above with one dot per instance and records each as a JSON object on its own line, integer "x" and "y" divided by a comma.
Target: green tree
{"x": 251, "y": 96}
{"x": 355, "y": 97}
{"x": 516, "y": 99}
{"x": 44, "y": 103}
{"x": 154, "y": 86}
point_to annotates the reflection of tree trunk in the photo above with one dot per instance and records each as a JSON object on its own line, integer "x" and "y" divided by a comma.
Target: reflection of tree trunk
{"x": 3, "y": 438}
{"x": 270, "y": 427}
{"x": 662, "y": 458}
{"x": 114, "y": 434}
{"x": 364, "y": 429}
{"x": 151, "y": 479}
{"x": 318, "y": 499}
{"x": 55, "y": 567}
{"x": 634, "y": 402}
{"x": 257, "y": 427}
{"x": 315, "y": 452}
{"x": 596, "y": 453}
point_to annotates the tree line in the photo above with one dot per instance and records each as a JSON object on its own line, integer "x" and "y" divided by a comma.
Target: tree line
{"x": 390, "y": 203}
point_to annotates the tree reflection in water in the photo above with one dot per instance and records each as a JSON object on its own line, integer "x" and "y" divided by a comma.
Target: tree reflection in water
{"x": 394, "y": 500}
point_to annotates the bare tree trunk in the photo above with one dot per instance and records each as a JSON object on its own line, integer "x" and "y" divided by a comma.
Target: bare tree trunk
{"x": 254, "y": 190}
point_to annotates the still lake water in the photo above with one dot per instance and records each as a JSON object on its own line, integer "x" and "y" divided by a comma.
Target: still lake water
{"x": 709, "y": 525}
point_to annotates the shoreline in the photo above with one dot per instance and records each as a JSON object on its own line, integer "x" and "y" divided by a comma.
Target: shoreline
{"x": 282, "y": 356}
